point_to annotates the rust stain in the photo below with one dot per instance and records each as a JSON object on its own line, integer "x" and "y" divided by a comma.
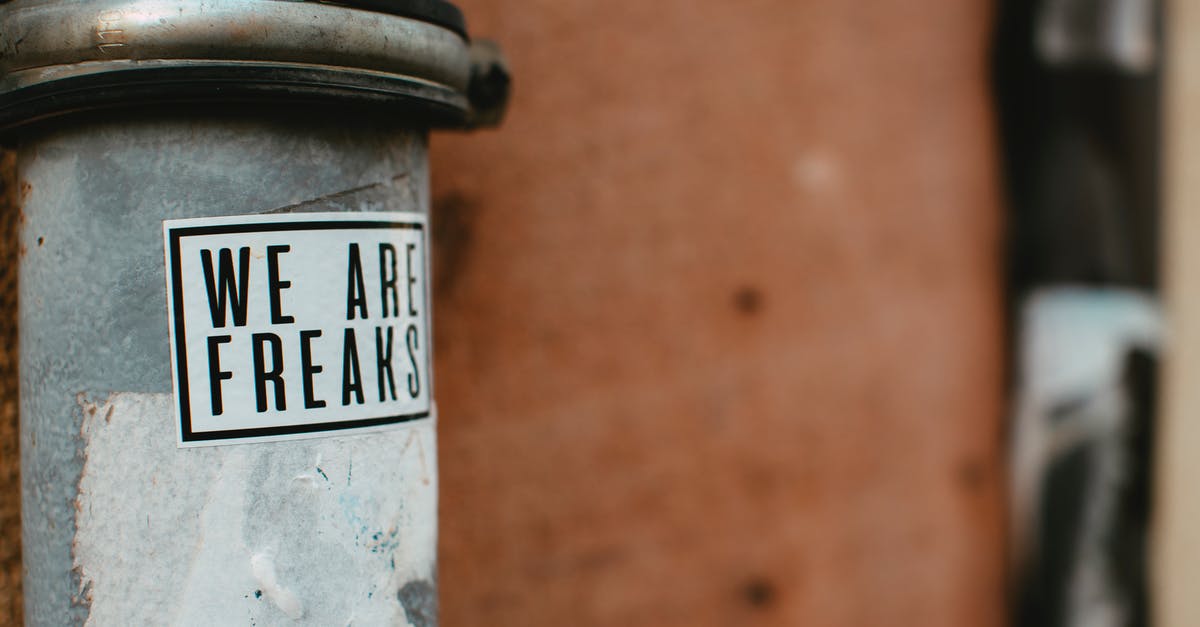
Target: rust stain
{"x": 10, "y": 498}
{"x": 748, "y": 300}
{"x": 89, "y": 409}
{"x": 759, "y": 593}
{"x": 453, "y": 215}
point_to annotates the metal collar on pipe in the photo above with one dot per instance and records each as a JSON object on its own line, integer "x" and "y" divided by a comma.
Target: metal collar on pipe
{"x": 59, "y": 57}
{"x": 437, "y": 12}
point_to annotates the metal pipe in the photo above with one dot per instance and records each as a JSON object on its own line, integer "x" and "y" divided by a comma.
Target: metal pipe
{"x": 226, "y": 407}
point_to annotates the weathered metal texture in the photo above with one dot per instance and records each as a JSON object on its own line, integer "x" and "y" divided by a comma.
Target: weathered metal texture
{"x": 120, "y": 525}
{"x": 47, "y": 40}
{"x": 719, "y": 320}
{"x": 60, "y": 57}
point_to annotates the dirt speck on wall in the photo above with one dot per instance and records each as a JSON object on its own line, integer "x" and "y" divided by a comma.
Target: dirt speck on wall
{"x": 720, "y": 340}
{"x": 10, "y": 459}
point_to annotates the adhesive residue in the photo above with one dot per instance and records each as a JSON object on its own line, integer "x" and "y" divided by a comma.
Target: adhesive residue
{"x": 317, "y": 532}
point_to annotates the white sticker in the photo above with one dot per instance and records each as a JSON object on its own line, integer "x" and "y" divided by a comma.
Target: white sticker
{"x": 297, "y": 325}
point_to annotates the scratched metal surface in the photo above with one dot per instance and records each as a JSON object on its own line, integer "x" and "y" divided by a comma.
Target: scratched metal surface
{"x": 94, "y": 342}
{"x": 51, "y": 39}
{"x": 60, "y": 57}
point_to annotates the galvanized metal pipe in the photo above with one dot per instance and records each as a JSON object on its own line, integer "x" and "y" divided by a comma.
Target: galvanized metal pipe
{"x": 324, "y": 517}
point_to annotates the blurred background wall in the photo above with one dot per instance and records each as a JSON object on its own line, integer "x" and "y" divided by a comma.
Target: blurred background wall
{"x": 1177, "y": 533}
{"x": 719, "y": 319}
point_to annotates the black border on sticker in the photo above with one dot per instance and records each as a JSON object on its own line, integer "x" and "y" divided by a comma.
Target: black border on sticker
{"x": 175, "y": 234}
